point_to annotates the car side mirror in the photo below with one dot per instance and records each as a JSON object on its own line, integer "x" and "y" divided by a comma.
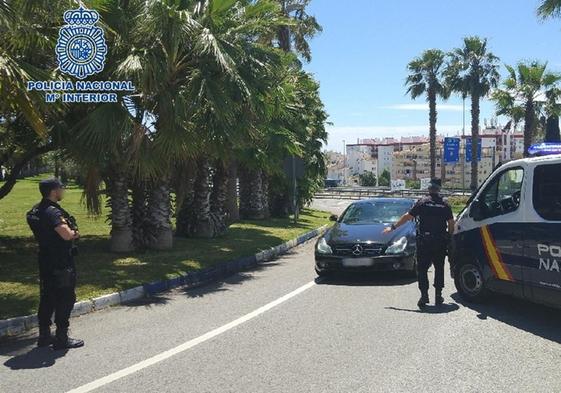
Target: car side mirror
{"x": 333, "y": 217}
{"x": 476, "y": 211}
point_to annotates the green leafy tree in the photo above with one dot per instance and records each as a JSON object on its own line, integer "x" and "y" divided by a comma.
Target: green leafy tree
{"x": 426, "y": 79}
{"x": 385, "y": 179}
{"x": 367, "y": 179}
{"x": 473, "y": 71}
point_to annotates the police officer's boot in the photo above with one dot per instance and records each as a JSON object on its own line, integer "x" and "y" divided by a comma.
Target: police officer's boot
{"x": 45, "y": 337}
{"x": 64, "y": 342}
{"x": 424, "y": 300}
{"x": 438, "y": 299}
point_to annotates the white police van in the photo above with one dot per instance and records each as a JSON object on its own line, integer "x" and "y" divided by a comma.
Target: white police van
{"x": 508, "y": 238}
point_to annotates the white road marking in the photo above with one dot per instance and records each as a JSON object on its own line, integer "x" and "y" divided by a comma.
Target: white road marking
{"x": 189, "y": 344}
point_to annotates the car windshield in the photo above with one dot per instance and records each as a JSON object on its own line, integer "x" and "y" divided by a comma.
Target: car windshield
{"x": 375, "y": 212}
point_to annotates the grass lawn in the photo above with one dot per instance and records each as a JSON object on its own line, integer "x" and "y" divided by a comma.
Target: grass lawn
{"x": 100, "y": 271}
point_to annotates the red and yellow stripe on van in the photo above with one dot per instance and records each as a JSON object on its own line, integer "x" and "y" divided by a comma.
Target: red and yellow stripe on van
{"x": 494, "y": 256}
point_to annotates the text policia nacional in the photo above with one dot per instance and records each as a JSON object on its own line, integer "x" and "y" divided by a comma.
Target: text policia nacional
{"x": 81, "y": 91}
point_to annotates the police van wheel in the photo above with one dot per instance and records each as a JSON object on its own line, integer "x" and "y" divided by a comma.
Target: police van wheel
{"x": 470, "y": 284}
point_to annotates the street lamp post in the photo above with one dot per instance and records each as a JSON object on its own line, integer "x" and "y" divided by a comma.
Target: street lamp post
{"x": 344, "y": 163}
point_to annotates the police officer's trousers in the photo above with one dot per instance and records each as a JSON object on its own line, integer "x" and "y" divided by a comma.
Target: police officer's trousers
{"x": 58, "y": 300}
{"x": 430, "y": 253}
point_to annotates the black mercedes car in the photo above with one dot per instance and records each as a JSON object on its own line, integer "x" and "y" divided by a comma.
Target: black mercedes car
{"x": 357, "y": 243}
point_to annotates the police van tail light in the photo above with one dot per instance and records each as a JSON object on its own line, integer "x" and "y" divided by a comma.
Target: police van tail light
{"x": 398, "y": 246}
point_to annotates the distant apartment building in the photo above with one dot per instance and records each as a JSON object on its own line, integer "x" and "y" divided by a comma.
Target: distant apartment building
{"x": 414, "y": 164}
{"x": 496, "y": 146}
{"x": 409, "y": 157}
{"x": 377, "y": 155}
{"x": 361, "y": 158}
{"x": 335, "y": 166}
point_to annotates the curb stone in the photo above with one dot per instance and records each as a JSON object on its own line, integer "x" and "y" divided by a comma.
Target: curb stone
{"x": 18, "y": 325}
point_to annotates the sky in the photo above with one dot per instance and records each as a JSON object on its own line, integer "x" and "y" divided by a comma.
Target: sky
{"x": 361, "y": 56}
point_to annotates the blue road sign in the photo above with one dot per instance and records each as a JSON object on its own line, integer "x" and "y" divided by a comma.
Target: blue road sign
{"x": 451, "y": 150}
{"x": 468, "y": 150}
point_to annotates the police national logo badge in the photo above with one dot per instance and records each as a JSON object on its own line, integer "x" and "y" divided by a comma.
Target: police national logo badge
{"x": 81, "y": 47}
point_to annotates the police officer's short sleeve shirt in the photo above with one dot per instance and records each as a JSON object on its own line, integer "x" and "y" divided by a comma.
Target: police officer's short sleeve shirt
{"x": 433, "y": 213}
{"x": 54, "y": 250}
{"x": 53, "y": 217}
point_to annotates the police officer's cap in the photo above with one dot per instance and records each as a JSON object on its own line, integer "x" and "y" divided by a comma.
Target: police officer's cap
{"x": 435, "y": 185}
{"x": 48, "y": 185}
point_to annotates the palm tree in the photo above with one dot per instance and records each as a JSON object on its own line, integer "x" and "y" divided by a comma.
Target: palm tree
{"x": 25, "y": 38}
{"x": 549, "y": 9}
{"x": 473, "y": 71}
{"x": 292, "y": 37}
{"x": 528, "y": 89}
{"x": 232, "y": 74}
{"x": 302, "y": 27}
{"x": 426, "y": 78}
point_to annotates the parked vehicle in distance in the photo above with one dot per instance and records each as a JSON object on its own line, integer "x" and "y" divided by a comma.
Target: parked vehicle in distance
{"x": 356, "y": 242}
{"x": 508, "y": 238}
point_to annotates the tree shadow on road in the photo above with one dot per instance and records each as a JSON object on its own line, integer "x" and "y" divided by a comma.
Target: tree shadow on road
{"x": 531, "y": 317}
{"x": 25, "y": 355}
{"x": 205, "y": 287}
{"x": 377, "y": 279}
{"x": 229, "y": 279}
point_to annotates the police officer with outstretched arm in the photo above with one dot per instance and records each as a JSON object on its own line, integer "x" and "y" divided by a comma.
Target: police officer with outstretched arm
{"x": 436, "y": 226}
{"x": 56, "y": 232}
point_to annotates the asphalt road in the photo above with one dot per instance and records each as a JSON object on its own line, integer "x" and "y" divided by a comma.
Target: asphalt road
{"x": 276, "y": 329}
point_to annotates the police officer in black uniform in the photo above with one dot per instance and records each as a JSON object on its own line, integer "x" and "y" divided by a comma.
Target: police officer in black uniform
{"x": 436, "y": 225}
{"x": 56, "y": 232}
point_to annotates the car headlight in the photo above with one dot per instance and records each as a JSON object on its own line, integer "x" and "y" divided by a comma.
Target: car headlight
{"x": 323, "y": 248}
{"x": 398, "y": 246}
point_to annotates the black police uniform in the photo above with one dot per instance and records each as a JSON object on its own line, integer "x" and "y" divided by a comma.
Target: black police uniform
{"x": 433, "y": 213}
{"x": 57, "y": 270}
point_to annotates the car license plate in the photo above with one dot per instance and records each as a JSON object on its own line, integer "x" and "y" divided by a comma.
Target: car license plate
{"x": 357, "y": 262}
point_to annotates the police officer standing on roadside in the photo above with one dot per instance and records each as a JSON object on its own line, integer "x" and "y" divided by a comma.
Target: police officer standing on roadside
{"x": 436, "y": 226}
{"x": 55, "y": 231}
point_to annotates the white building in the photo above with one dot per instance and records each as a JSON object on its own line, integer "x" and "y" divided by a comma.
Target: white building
{"x": 335, "y": 166}
{"x": 361, "y": 158}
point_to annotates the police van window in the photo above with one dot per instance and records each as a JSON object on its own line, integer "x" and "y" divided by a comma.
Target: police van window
{"x": 502, "y": 195}
{"x": 547, "y": 191}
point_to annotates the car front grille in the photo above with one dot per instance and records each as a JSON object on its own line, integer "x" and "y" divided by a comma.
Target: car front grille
{"x": 350, "y": 250}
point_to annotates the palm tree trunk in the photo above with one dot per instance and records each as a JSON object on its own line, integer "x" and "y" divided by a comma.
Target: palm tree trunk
{"x": 279, "y": 197}
{"x": 265, "y": 194}
{"x": 552, "y": 133}
{"x": 121, "y": 219}
{"x": 185, "y": 215}
{"x": 475, "y": 111}
{"x": 432, "y": 133}
{"x": 252, "y": 196}
{"x": 284, "y": 31}
{"x": 529, "y": 116}
{"x": 202, "y": 225}
{"x": 139, "y": 213}
{"x": 159, "y": 231}
{"x": 245, "y": 190}
{"x": 232, "y": 208}
{"x": 218, "y": 198}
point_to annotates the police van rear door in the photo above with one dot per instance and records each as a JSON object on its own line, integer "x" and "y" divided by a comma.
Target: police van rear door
{"x": 543, "y": 234}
